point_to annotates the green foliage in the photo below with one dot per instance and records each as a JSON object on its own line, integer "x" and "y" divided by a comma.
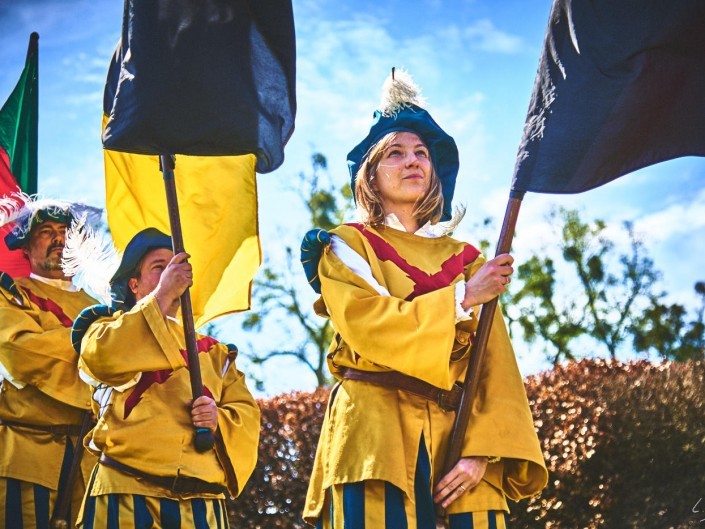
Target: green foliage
{"x": 613, "y": 290}
{"x": 279, "y": 293}
{"x": 663, "y": 329}
{"x": 539, "y": 317}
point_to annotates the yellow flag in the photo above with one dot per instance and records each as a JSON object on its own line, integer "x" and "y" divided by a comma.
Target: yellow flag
{"x": 218, "y": 204}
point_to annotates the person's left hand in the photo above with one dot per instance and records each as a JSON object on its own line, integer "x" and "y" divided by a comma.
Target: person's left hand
{"x": 204, "y": 413}
{"x": 465, "y": 475}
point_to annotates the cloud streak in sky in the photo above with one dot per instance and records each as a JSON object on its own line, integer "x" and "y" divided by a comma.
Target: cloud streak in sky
{"x": 485, "y": 36}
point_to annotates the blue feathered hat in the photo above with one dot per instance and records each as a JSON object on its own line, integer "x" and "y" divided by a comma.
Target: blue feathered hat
{"x": 144, "y": 242}
{"x": 401, "y": 111}
{"x": 25, "y": 212}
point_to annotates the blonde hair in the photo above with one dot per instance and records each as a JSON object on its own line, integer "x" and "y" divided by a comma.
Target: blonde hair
{"x": 428, "y": 209}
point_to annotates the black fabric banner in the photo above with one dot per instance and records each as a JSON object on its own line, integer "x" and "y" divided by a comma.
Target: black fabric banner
{"x": 620, "y": 86}
{"x": 203, "y": 77}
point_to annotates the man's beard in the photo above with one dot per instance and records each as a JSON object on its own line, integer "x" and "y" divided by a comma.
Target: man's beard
{"x": 53, "y": 260}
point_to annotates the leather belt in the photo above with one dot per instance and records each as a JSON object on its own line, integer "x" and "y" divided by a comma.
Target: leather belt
{"x": 177, "y": 484}
{"x": 448, "y": 400}
{"x": 54, "y": 429}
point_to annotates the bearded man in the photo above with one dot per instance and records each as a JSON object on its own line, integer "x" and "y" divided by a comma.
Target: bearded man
{"x": 43, "y": 402}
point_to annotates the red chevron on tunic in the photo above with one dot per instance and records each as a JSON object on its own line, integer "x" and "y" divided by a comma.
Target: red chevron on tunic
{"x": 423, "y": 281}
{"x": 48, "y": 305}
{"x": 149, "y": 378}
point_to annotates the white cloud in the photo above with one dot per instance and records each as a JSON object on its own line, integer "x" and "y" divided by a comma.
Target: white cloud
{"x": 675, "y": 220}
{"x": 487, "y": 37}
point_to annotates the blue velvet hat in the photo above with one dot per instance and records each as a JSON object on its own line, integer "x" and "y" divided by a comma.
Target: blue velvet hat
{"x": 144, "y": 242}
{"x": 401, "y": 112}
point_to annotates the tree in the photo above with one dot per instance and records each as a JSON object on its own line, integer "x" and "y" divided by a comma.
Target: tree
{"x": 539, "y": 317}
{"x": 663, "y": 329}
{"x": 604, "y": 304}
{"x": 279, "y": 294}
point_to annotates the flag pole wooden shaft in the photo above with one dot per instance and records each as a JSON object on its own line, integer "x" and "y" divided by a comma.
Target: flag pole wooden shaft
{"x": 478, "y": 350}
{"x": 204, "y": 440}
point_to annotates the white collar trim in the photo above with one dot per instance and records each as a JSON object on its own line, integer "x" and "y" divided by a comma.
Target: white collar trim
{"x": 427, "y": 230}
{"x": 62, "y": 284}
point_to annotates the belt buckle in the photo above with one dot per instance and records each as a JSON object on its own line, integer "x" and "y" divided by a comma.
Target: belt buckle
{"x": 442, "y": 399}
{"x": 180, "y": 485}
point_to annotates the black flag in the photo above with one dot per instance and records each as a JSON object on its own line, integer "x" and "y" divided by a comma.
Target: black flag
{"x": 204, "y": 78}
{"x": 620, "y": 86}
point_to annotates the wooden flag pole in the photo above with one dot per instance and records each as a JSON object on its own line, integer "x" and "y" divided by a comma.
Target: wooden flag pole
{"x": 204, "y": 440}
{"x": 479, "y": 348}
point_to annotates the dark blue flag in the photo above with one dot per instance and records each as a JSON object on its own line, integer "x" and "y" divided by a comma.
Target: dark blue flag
{"x": 204, "y": 78}
{"x": 620, "y": 86}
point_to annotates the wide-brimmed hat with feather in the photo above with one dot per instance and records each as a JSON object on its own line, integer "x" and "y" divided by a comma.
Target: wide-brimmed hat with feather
{"x": 401, "y": 110}
{"x": 96, "y": 265}
{"x": 25, "y": 212}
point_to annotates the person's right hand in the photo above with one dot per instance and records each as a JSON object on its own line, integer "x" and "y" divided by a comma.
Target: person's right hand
{"x": 490, "y": 280}
{"x": 175, "y": 279}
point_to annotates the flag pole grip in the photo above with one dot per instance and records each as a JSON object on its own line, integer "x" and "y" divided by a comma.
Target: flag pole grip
{"x": 478, "y": 350}
{"x": 204, "y": 439}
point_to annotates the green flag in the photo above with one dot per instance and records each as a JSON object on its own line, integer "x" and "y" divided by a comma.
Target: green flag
{"x": 18, "y": 129}
{"x": 18, "y": 149}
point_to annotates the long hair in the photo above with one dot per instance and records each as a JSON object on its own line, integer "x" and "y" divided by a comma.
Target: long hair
{"x": 428, "y": 208}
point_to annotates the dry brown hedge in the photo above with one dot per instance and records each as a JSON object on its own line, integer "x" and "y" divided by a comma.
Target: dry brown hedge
{"x": 624, "y": 444}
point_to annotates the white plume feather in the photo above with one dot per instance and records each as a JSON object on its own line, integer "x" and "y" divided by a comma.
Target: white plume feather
{"x": 398, "y": 92}
{"x": 448, "y": 227}
{"x": 13, "y": 206}
{"x": 21, "y": 208}
{"x": 90, "y": 259}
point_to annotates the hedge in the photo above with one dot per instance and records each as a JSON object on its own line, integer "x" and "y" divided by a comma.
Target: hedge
{"x": 624, "y": 444}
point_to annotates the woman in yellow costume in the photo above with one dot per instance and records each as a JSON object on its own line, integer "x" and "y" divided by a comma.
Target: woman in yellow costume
{"x": 404, "y": 298}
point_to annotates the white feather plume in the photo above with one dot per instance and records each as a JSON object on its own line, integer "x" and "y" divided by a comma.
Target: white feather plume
{"x": 398, "y": 92}
{"x": 12, "y": 206}
{"x": 90, "y": 259}
{"x": 448, "y": 227}
{"x": 21, "y": 208}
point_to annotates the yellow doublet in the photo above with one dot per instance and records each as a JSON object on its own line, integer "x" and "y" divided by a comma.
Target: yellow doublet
{"x": 41, "y": 385}
{"x": 372, "y": 432}
{"x": 144, "y": 405}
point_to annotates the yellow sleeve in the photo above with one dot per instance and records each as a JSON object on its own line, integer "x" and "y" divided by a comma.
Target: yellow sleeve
{"x": 40, "y": 357}
{"x": 501, "y": 423}
{"x": 114, "y": 350}
{"x": 239, "y": 428}
{"x": 413, "y": 337}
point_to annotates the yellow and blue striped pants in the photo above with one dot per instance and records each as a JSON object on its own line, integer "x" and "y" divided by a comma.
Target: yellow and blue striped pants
{"x": 377, "y": 504}
{"x": 134, "y": 511}
{"x": 381, "y": 505}
{"x": 25, "y": 505}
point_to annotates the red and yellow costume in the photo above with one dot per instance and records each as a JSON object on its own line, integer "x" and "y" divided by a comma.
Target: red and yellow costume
{"x": 137, "y": 360}
{"x": 41, "y": 389}
{"x": 375, "y": 434}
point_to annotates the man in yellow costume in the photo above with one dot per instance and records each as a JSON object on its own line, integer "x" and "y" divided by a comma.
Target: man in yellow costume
{"x": 42, "y": 400}
{"x": 149, "y": 472}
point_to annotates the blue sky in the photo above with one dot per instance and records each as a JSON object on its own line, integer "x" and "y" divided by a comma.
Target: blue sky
{"x": 475, "y": 61}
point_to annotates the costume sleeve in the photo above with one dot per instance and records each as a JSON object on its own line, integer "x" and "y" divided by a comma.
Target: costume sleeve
{"x": 501, "y": 423}
{"x": 115, "y": 350}
{"x": 41, "y": 357}
{"x": 413, "y": 337}
{"x": 239, "y": 428}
